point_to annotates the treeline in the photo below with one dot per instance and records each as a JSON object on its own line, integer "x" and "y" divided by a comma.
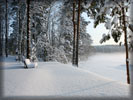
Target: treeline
{"x": 109, "y": 48}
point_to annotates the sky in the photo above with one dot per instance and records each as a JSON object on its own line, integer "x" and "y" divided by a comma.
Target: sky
{"x": 96, "y": 33}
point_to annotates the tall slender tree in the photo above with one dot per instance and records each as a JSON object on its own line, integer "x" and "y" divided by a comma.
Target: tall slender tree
{"x": 28, "y": 33}
{"x": 74, "y": 35}
{"x": 6, "y": 35}
{"x": 131, "y": 39}
{"x": 126, "y": 44}
{"x": 0, "y": 36}
{"x": 78, "y": 33}
{"x": 19, "y": 31}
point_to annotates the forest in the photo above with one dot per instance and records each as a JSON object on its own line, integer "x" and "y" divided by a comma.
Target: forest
{"x": 54, "y": 30}
{"x": 50, "y": 35}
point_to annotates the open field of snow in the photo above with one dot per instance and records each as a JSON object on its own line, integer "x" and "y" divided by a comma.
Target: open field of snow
{"x": 109, "y": 65}
{"x": 55, "y": 79}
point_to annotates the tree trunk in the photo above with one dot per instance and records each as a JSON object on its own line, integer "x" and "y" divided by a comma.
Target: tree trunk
{"x": 126, "y": 45}
{"x": 48, "y": 24}
{"x": 2, "y": 44}
{"x": 52, "y": 34}
{"x": 19, "y": 31}
{"x": 28, "y": 33}
{"x": 78, "y": 29}
{"x": 0, "y": 38}
{"x": 74, "y": 35}
{"x": 23, "y": 43}
{"x": 6, "y": 35}
{"x": 131, "y": 40}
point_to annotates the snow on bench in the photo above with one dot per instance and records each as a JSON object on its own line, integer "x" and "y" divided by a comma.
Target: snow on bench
{"x": 29, "y": 64}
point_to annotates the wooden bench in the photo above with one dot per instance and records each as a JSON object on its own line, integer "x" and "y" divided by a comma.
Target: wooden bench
{"x": 29, "y": 64}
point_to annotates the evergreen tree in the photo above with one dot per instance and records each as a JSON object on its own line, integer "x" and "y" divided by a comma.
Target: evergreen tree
{"x": 6, "y": 35}
{"x": 49, "y": 35}
{"x": 28, "y": 30}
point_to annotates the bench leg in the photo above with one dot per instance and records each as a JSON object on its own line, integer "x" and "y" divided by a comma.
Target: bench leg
{"x": 25, "y": 66}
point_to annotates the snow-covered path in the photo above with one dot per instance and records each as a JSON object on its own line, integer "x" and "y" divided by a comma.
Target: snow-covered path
{"x": 55, "y": 79}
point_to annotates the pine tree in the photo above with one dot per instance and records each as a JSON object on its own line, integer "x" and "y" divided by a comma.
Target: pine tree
{"x": 19, "y": 32}
{"x": 126, "y": 44}
{"x": 50, "y": 32}
{"x": 6, "y": 35}
{"x": 131, "y": 35}
{"x": 28, "y": 33}
{"x": 78, "y": 33}
{"x": 0, "y": 34}
{"x": 74, "y": 34}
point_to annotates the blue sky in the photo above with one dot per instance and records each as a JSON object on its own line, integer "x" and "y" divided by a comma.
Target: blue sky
{"x": 96, "y": 33}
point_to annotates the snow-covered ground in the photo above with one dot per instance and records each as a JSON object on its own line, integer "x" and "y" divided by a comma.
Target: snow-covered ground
{"x": 109, "y": 65}
{"x": 56, "y": 79}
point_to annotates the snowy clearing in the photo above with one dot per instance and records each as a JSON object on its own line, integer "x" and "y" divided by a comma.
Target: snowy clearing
{"x": 109, "y": 65}
{"x": 56, "y": 79}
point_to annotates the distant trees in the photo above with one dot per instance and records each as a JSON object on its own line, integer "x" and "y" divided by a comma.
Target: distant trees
{"x": 109, "y": 48}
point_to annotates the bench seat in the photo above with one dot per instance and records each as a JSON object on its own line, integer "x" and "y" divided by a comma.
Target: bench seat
{"x": 29, "y": 64}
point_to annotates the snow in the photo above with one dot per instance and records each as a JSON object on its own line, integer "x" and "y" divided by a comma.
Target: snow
{"x": 56, "y": 7}
{"x": 56, "y": 79}
{"x": 109, "y": 65}
{"x": 115, "y": 19}
{"x": 30, "y": 64}
{"x": 108, "y": 24}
